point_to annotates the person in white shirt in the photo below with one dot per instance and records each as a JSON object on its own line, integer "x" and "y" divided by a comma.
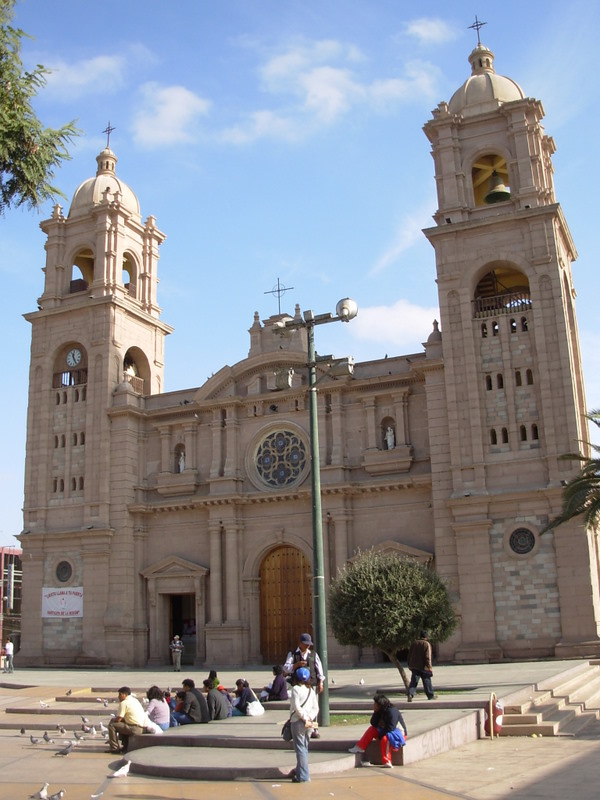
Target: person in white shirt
{"x": 9, "y": 650}
{"x": 304, "y": 710}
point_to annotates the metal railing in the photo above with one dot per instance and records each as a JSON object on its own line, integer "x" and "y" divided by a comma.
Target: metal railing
{"x": 506, "y": 303}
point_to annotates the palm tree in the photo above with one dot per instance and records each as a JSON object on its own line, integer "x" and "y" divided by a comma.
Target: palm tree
{"x": 581, "y": 496}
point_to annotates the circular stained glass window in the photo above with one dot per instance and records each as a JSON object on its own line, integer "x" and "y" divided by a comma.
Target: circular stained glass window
{"x": 281, "y": 459}
{"x": 64, "y": 571}
{"x": 521, "y": 541}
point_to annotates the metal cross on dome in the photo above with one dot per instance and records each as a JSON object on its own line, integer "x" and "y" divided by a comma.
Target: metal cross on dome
{"x": 108, "y": 130}
{"x": 279, "y": 290}
{"x": 477, "y": 26}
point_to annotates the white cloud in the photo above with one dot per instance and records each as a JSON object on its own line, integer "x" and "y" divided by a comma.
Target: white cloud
{"x": 408, "y": 232}
{"x": 321, "y": 82}
{"x": 262, "y": 125}
{"x": 430, "y": 30}
{"x": 396, "y": 327}
{"x": 167, "y": 115}
{"x": 100, "y": 74}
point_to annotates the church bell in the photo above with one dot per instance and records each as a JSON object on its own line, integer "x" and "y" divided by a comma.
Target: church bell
{"x": 497, "y": 191}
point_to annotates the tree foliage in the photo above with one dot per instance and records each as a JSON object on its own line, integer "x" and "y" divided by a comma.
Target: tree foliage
{"x": 29, "y": 152}
{"x": 383, "y": 601}
{"x": 581, "y": 495}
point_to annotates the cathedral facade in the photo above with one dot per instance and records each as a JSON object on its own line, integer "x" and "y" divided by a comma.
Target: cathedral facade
{"x": 149, "y": 513}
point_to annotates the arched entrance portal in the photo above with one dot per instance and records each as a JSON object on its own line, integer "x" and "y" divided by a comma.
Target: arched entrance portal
{"x": 285, "y": 602}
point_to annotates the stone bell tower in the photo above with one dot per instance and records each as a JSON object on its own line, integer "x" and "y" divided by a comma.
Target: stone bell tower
{"x": 96, "y": 332}
{"x": 513, "y": 384}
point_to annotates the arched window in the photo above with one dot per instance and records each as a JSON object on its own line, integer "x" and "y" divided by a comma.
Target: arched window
{"x": 80, "y": 484}
{"x": 518, "y": 378}
{"x": 499, "y": 381}
{"x": 74, "y": 440}
{"x": 483, "y": 330}
{"x": 504, "y": 436}
{"x": 495, "y": 328}
{"x": 493, "y": 436}
{"x": 73, "y": 484}
{"x": 524, "y": 325}
{"x": 513, "y": 326}
{"x": 56, "y": 441}
{"x": 490, "y": 180}
{"x": 488, "y": 383}
{"x": 82, "y": 271}
{"x": 129, "y": 276}
{"x": 534, "y": 432}
{"x": 529, "y": 377}
{"x": 82, "y": 438}
{"x": 523, "y": 433}
{"x": 62, "y": 440}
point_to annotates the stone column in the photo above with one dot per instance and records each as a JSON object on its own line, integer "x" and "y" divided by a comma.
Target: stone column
{"x": 370, "y": 407}
{"x": 216, "y": 578}
{"x": 232, "y": 572}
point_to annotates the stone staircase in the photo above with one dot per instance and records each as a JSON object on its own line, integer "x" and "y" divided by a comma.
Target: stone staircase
{"x": 561, "y": 706}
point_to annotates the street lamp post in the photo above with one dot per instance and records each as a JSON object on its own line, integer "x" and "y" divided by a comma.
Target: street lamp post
{"x": 345, "y": 310}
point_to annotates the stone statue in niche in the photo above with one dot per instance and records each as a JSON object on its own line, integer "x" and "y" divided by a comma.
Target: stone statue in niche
{"x": 390, "y": 438}
{"x": 181, "y": 462}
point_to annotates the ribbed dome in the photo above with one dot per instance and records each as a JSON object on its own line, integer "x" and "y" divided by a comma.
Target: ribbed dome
{"x": 93, "y": 191}
{"x": 484, "y": 90}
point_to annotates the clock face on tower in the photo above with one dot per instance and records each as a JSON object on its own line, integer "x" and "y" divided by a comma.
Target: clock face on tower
{"x": 73, "y": 357}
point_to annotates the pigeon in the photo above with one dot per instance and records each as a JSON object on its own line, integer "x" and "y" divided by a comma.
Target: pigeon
{"x": 85, "y": 720}
{"x": 70, "y": 692}
{"x": 61, "y": 730}
{"x": 47, "y": 739}
{"x": 362, "y": 681}
{"x": 103, "y": 727}
{"x": 93, "y": 731}
{"x": 34, "y": 740}
{"x": 57, "y": 796}
{"x": 120, "y": 773}
{"x": 22, "y": 731}
{"x": 65, "y": 751}
{"x": 332, "y": 682}
{"x": 105, "y": 703}
{"x": 78, "y": 736}
{"x": 44, "y": 705}
{"x": 42, "y": 794}
{"x": 86, "y": 728}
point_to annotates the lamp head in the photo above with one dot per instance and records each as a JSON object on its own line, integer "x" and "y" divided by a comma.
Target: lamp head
{"x": 346, "y": 309}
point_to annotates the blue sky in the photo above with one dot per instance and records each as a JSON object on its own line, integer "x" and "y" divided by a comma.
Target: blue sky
{"x": 283, "y": 139}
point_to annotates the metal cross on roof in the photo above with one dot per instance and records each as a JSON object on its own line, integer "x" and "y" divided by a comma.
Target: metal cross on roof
{"x": 477, "y": 26}
{"x": 108, "y": 130}
{"x": 279, "y": 290}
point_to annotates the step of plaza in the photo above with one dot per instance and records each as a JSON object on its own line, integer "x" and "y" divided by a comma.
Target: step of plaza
{"x": 251, "y": 747}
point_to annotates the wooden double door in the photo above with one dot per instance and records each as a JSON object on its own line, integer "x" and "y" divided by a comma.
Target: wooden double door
{"x": 286, "y": 608}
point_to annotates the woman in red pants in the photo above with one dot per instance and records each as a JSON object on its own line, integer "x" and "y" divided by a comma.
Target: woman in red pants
{"x": 387, "y": 725}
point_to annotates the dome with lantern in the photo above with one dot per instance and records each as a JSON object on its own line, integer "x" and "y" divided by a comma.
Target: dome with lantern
{"x": 484, "y": 90}
{"x": 104, "y": 187}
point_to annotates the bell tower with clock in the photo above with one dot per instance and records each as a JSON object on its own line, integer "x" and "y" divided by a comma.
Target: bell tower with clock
{"x": 97, "y": 340}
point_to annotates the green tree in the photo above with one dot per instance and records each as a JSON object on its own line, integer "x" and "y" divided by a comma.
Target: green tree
{"x": 581, "y": 495}
{"x": 381, "y": 600}
{"x": 29, "y": 152}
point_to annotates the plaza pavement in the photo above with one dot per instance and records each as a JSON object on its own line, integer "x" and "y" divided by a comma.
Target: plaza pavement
{"x": 520, "y": 768}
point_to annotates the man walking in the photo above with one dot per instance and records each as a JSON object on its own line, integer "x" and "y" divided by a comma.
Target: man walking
{"x": 9, "y": 650}
{"x": 419, "y": 663}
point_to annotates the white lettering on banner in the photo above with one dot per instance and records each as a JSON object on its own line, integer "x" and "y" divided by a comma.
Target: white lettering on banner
{"x": 62, "y": 602}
